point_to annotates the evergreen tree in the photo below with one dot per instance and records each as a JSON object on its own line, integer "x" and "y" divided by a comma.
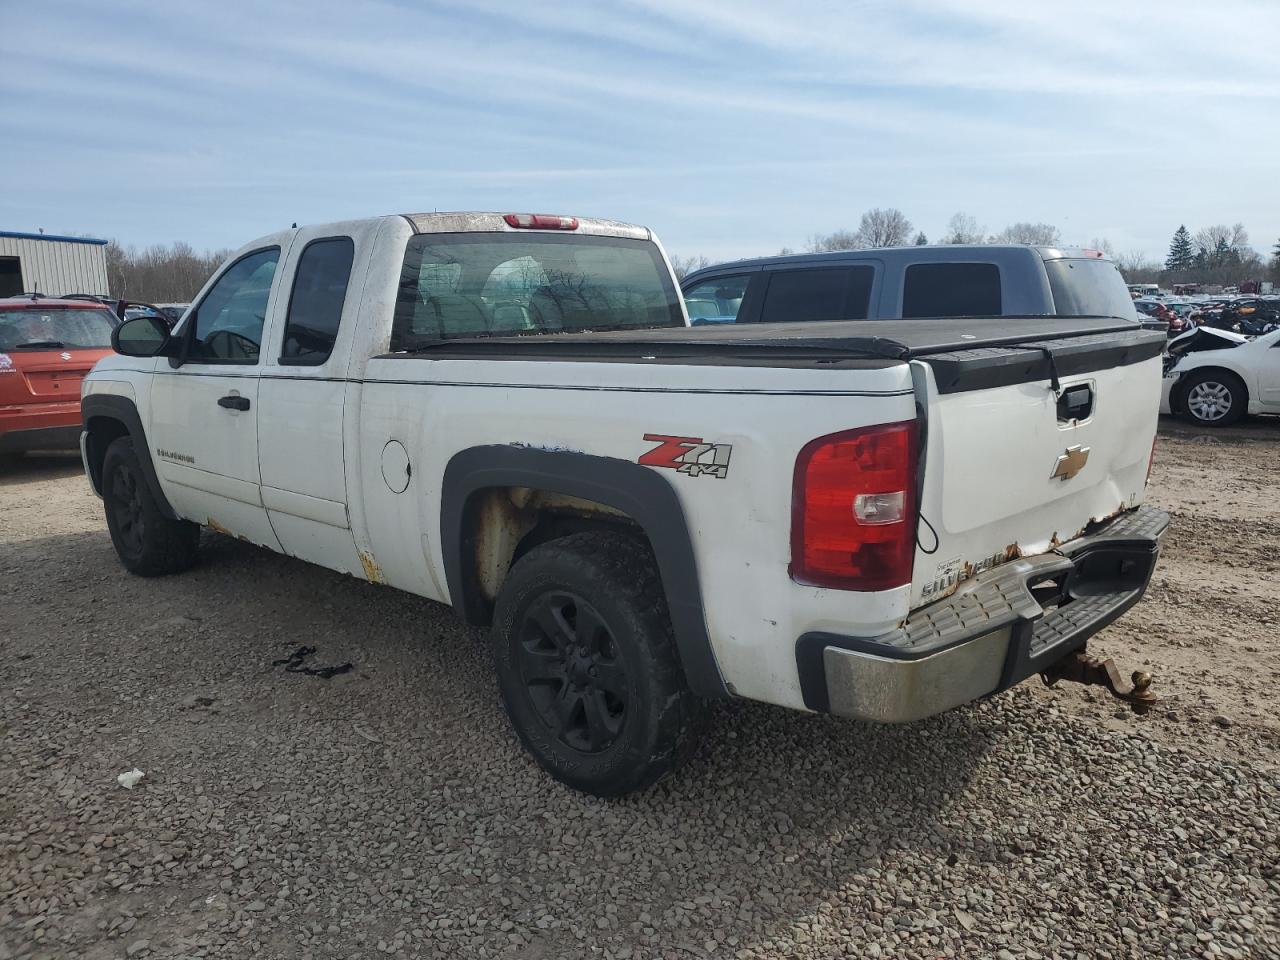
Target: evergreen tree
{"x": 1181, "y": 254}
{"x": 1221, "y": 252}
{"x": 921, "y": 240}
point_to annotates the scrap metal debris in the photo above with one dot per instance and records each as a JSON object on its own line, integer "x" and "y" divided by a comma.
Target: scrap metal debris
{"x": 294, "y": 664}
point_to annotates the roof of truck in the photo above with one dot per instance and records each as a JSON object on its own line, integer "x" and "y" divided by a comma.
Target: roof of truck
{"x": 482, "y": 222}
{"x": 932, "y": 253}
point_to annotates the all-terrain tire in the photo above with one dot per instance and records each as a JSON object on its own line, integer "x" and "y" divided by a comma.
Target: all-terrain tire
{"x": 147, "y": 542}
{"x": 614, "y": 714}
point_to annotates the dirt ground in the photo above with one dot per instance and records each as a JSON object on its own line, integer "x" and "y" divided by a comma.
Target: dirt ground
{"x": 389, "y": 810}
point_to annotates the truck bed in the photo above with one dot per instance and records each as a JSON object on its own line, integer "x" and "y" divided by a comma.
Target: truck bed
{"x": 965, "y": 354}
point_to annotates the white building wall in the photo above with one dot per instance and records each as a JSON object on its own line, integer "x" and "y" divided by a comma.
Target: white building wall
{"x": 56, "y": 267}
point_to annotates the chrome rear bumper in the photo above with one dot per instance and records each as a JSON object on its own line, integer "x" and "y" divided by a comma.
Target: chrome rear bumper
{"x": 990, "y": 634}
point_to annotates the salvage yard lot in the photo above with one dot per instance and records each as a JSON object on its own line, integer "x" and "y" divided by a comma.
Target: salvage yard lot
{"x": 390, "y": 808}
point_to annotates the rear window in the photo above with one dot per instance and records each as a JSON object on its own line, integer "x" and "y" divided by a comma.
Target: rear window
{"x": 485, "y": 284}
{"x": 1089, "y": 288}
{"x": 795, "y": 296}
{"x": 952, "y": 290}
{"x": 53, "y": 328}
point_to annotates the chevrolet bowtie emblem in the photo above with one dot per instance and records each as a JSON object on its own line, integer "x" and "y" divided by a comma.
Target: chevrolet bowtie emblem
{"x": 1070, "y": 463}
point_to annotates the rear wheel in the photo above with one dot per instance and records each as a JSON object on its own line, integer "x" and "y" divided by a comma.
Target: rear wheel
{"x": 587, "y": 665}
{"x": 147, "y": 542}
{"x": 1214, "y": 398}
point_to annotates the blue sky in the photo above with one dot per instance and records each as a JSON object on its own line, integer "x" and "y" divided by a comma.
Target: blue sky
{"x": 732, "y": 127}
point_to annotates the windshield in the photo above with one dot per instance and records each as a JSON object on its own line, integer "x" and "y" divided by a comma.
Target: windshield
{"x": 486, "y": 284}
{"x": 1089, "y": 288}
{"x": 55, "y": 328}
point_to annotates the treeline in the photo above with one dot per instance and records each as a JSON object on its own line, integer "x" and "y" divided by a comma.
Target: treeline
{"x": 1217, "y": 254}
{"x": 159, "y": 273}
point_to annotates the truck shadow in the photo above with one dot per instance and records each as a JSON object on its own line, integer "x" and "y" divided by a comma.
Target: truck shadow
{"x": 416, "y": 731}
{"x": 27, "y": 468}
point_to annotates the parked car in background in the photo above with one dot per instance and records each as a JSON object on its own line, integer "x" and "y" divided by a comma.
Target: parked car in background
{"x": 121, "y": 309}
{"x": 905, "y": 282}
{"x": 172, "y": 311}
{"x": 1214, "y": 377}
{"x": 47, "y": 346}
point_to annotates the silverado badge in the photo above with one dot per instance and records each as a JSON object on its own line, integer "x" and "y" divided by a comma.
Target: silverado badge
{"x": 1070, "y": 463}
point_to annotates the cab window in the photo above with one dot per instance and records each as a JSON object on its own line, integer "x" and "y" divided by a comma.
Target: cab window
{"x": 228, "y": 322}
{"x": 716, "y": 301}
{"x": 315, "y": 305}
{"x": 826, "y": 293}
{"x": 951, "y": 290}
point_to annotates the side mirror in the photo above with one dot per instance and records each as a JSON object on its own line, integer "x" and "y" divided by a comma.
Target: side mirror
{"x": 141, "y": 337}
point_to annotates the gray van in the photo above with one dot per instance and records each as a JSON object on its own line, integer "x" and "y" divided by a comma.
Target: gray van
{"x": 897, "y": 282}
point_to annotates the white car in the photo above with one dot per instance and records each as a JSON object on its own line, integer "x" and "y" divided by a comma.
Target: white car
{"x": 1214, "y": 377}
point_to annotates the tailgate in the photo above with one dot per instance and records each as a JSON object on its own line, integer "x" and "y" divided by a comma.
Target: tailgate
{"x": 1027, "y": 445}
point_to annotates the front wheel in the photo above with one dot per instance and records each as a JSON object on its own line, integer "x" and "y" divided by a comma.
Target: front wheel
{"x": 588, "y": 668}
{"x": 1213, "y": 398}
{"x": 147, "y": 542}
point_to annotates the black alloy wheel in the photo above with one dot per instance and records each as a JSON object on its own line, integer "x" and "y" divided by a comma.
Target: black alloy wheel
{"x": 125, "y": 504}
{"x": 569, "y": 663}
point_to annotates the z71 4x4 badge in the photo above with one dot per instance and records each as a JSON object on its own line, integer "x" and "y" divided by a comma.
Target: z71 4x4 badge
{"x": 689, "y": 455}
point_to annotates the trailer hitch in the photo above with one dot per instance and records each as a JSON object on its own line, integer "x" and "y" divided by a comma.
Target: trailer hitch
{"x": 1079, "y": 667}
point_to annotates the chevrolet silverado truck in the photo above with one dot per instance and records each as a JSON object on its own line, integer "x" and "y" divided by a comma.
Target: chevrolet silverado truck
{"x": 510, "y": 414}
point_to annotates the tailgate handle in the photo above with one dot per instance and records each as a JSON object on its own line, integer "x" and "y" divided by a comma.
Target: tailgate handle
{"x": 1075, "y": 403}
{"x": 234, "y": 401}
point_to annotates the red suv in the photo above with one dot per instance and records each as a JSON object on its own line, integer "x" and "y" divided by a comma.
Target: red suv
{"x": 46, "y": 347}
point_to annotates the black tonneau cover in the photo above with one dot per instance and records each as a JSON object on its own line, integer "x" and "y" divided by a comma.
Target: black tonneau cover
{"x": 965, "y": 354}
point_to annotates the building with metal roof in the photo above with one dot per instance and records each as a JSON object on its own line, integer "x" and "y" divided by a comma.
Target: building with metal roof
{"x": 50, "y": 264}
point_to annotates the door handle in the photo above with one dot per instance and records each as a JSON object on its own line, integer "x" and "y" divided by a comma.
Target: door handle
{"x": 234, "y": 402}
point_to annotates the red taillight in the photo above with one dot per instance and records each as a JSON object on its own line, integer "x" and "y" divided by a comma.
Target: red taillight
{"x": 853, "y": 509}
{"x": 540, "y": 221}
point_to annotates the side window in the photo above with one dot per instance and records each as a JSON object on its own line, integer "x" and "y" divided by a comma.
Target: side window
{"x": 315, "y": 305}
{"x": 796, "y": 296}
{"x": 951, "y": 290}
{"x": 228, "y": 321}
{"x": 716, "y": 301}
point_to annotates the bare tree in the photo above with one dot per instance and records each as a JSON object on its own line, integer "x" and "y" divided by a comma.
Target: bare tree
{"x": 1103, "y": 244}
{"x": 159, "y": 274}
{"x": 828, "y": 242}
{"x": 888, "y": 227}
{"x": 1137, "y": 267}
{"x": 1038, "y": 234}
{"x": 964, "y": 228}
{"x": 686, "y": 265}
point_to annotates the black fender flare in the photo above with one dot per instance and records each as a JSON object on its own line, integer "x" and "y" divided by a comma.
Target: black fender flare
{"x": 635, "y": 490}
{"x": 108, "y": 406}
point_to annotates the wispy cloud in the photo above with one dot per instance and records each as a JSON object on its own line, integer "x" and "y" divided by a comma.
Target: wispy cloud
{"x": 732, "y": 126}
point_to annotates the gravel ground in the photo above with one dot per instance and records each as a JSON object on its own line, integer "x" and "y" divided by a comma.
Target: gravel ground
{"x": 390, "y": 809}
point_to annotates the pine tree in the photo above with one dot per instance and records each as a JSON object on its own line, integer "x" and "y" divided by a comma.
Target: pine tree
{"x": 921, "y": 240}
{"x": 1221, "y": 252}
{"x": 1181, "y": 254}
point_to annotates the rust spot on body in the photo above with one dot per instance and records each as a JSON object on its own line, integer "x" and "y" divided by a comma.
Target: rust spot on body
{"x": 372, "y": 572}
{"x": 216, "y": 527}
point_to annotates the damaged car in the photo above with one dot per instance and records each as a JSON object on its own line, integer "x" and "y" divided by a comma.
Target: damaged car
{"x": 1214, "y": 377}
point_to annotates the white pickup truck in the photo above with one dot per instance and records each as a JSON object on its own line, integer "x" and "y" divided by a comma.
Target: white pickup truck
{"x": 509, "y": 414}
